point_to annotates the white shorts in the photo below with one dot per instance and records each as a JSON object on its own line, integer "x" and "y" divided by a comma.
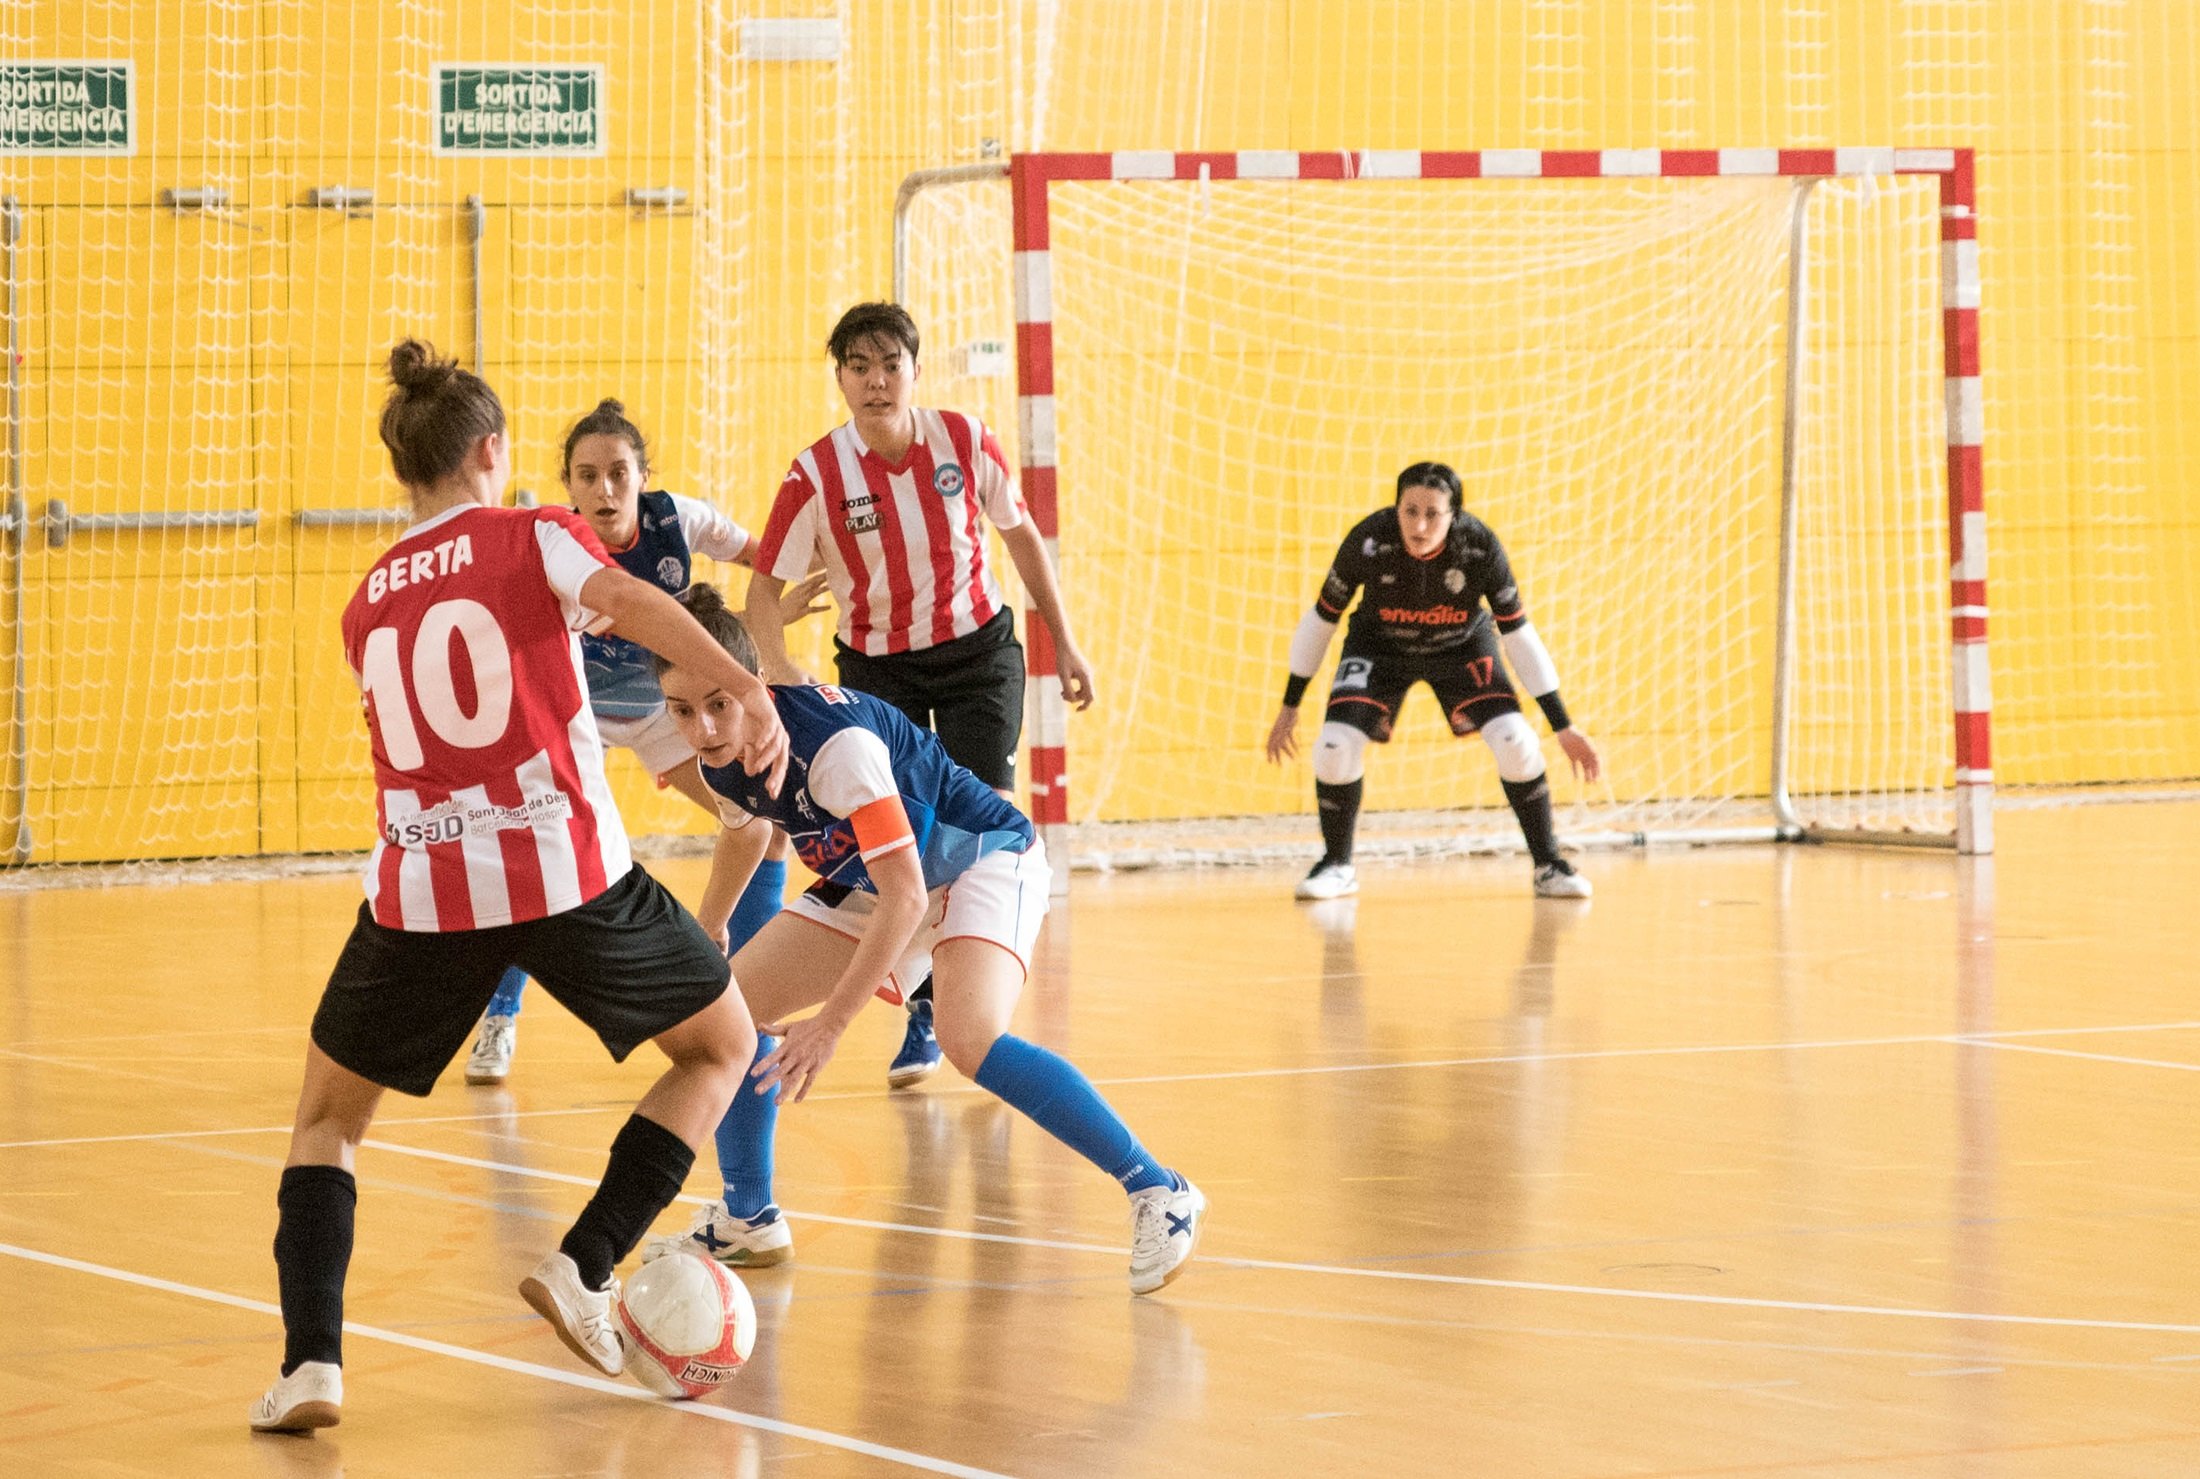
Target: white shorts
{"x": 654, "y": 739}
{"x": 1001, "y": 900}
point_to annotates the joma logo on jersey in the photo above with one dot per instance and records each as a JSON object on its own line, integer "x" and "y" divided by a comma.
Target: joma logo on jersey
{"x": 419, "y": 568}
{"x": 1435, "y": 616}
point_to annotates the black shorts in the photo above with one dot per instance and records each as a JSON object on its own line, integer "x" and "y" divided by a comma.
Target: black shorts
{"x": 1469, "y": 681}
{"x": 630, "y": 963}
{"x": 968, "y": 690}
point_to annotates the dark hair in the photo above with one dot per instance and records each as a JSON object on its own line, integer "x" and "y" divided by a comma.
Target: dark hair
{"x": 608, "y": 420}
{"x": 1432, "y": 475}
{"x": 435, "y": 414}
{"x": 888, "y": 321}
{"x": 709, "y": 609}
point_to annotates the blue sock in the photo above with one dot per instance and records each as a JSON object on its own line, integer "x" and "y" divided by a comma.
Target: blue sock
{"x": 1063, "y": 1102}
{"x": 506, "y": 1001}
{"x": 745, "y": 1141}
{"x": 767, "y": 890}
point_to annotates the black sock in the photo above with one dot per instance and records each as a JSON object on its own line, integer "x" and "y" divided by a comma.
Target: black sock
{"x": 648, "y": 1166}
{"x": 1531, "y": 802}
{"x": 1340, "y": 813}
{"x": 924, "y": 992}
{"x": 314, "y": 1206}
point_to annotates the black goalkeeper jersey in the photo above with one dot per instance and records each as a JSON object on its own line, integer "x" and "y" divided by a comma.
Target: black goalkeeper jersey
{"x": 1412, "y": 607}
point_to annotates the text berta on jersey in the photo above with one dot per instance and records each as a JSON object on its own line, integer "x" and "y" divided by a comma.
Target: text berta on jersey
{"x": 419, "y": 567}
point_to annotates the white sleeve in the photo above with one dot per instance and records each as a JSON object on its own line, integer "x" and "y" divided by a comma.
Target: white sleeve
{"x": 1530, "y": 660}
{"x": 990, "y": 478}
{"x": 567, "y": 564}
{"x": 790, "y": 543}
{"x": 1309, "y": 642}
{"x": 731, "y": 815}
{"x": 850, "y": 771}
{"x": 708, "y": 531}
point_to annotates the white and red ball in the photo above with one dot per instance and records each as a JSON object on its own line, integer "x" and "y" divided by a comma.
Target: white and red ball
{"x": 687, "y": 1325}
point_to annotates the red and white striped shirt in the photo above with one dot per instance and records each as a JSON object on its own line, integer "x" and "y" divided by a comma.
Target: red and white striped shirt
{"x": 491, "y": 803}
{"x": 903, "y": 546}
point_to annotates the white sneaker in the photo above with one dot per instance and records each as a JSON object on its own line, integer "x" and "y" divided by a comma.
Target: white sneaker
{"x": 490, "y": 1062}
{"x": 1328, "y": 881}
{"x": 310, "y": 1397}
{"x": 1559, "y": 881}
{"x": 1164, "y": 1230}
{"x": 582, "y": 1316}
{"x": 758, "y": 1242}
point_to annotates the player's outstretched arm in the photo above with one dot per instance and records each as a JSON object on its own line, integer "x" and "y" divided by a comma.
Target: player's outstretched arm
{"x": 733, "y": 861}
{"x": 1029, "y": 551}
{"x": 806, "y": 1046}
{"x": 1581, "y": 753}
{"x": 1308, "y": 643}
{"x": 1283, "y": 734}
{"x": 760, "y": 613}
{"x": 642, "y": 613}
{"x": 806, "y": 597}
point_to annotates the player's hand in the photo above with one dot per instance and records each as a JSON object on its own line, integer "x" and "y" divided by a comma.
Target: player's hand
{"x": 1581, "y": 753}
{"x": 805, "y": 1047}
{"x": 1283, "y": 735}
{"x": 721, "y": 937}
{"x": 1076, "y": 674}
{"x": 763, "y": 747}
{"x": 804, "y": 598}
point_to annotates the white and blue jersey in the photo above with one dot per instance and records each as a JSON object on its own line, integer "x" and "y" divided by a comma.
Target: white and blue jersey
{"x": 849, "y": 752}
{"x": 622, "y": 676}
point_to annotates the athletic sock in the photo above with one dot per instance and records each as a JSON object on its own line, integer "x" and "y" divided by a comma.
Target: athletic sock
{"x": 766, "y": 892}
{"x": 314, "y": 1206}
{"x": 745, "y": 1142}
{"x": 648, "y": 1165}
{"x": 1531, "y": 802}
{"x": 506, "y": 1001}
{"x": 1061, "y": 1101}
{"x": 1340, "y": 814}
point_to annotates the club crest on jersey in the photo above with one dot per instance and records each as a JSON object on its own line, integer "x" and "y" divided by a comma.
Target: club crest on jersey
{"x": 1455, "y": 581}
{"x": 947, "y": 479}
{"x": 671, "y": 573}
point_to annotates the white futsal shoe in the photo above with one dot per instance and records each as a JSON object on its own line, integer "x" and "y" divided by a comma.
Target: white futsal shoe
{"x": 490, "y": 1063}
{"x": 1559, "y": 881}
{"x": 757, "y": 1242}
{"x": 310, "y": 1397}
{"x": 582, "y": 1316}
{"x": 1328, "y": 881}
{"x": 1164, "y": 1231}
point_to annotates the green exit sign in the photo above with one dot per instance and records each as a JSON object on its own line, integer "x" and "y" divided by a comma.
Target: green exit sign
{"x": 510, "y": 108}
{"x": 67, "y": 108}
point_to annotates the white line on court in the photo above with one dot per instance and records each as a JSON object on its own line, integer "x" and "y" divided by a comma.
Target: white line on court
{"x": 1977, "y": 1039}
{"x": 901, "y": 1456}
{"x": 1400, "y": 1275}
{"x": 2023, "y": 1047}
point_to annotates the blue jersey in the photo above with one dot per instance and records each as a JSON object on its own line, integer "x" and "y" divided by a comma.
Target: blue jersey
{"x": 954, "y": 818}
{"x": 622, "y": 676}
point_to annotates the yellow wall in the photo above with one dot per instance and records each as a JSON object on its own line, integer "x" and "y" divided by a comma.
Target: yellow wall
{"x": 185, "y": 693}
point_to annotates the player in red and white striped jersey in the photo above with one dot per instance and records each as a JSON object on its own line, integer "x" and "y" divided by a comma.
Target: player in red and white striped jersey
{"x": 894, "y": 502}
{"x": 499, "y": 845}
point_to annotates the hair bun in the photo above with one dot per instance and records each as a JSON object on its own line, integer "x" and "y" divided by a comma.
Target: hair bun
{"x": 610, "y": 404}
{"x": 417, "y": 369}
{"x": 702, "y": 599}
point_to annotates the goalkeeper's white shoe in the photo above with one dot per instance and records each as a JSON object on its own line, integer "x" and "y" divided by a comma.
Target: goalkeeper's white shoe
{"x": 1328, "y": 881}
{"x": 1559, "y": 881}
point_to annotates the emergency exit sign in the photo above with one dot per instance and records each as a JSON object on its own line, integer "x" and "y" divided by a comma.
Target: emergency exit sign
{"x": 510, "y": 108}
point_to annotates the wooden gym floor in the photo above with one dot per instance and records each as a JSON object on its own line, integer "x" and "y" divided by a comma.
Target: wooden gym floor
{"x": 1792, "y": 1162}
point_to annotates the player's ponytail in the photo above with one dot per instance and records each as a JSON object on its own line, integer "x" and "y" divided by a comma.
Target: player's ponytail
{"x": 609, "y": 419}
{"x": 708, "y": 607}
{"x": 435, "y": 415}
{"x": 1433, "y": 475}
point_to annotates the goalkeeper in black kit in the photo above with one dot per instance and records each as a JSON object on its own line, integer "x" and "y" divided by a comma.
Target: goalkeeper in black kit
{"x": 1427, "y": 567}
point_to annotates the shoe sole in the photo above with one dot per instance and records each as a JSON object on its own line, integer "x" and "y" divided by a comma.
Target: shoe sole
{"x": 1334, "y": 893}
{"x": 902, "y": 1078}
{"x": 538, "y": 1295}
{"x": 302, "y": 1418}
{"x": 1543, "y": 893}
{"x": 485, "y": 1080}
{"x": 766, "y": 1258}
{"x": 1199, "y": 1225}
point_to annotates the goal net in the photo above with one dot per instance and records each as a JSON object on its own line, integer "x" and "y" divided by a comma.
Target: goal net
{"x": 1683, "y": 401}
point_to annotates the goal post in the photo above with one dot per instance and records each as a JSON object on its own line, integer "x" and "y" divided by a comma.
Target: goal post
{"x": 1722, "y": 406}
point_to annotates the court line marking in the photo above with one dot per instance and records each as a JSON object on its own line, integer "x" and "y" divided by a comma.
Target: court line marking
{"x": 1348, "y": 1271}
{"x": 903, "y": 1456}
{"x": 1978, "y": 1039}
{"x": 2024, "y": 1047}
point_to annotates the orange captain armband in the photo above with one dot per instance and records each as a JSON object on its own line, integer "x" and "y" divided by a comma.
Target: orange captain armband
{"x": 881, "y": 826}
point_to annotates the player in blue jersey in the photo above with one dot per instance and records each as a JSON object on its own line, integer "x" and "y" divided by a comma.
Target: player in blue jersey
{"x": 654, "y": 536}
{"x": 889, "y": 822}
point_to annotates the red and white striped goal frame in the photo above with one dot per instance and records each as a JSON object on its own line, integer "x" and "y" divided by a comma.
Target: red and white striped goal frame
{"x": 1032, "y": 175}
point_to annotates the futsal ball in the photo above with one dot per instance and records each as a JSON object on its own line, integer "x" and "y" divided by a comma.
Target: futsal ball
{"x": 686, "y": 1324}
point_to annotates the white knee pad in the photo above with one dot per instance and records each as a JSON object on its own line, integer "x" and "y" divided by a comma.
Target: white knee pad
{"x": 1340, "y": 755}
{"x": 1512, "y": 740}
